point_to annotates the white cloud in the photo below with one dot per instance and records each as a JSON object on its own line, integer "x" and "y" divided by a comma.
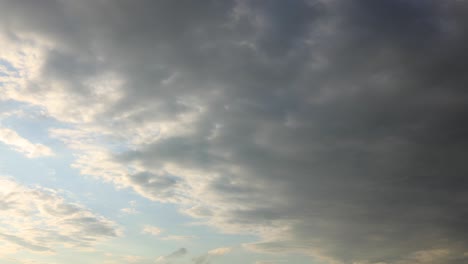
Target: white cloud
{"x": 41, "y": 220}
{"x": 129, "y": 210}
{"x": 151, "y": 230}
{"x": 156, "y": 231}
{"x": 207, "y": 258}
{"x": 22, "y": 145}
{"x": 220, "y": 251}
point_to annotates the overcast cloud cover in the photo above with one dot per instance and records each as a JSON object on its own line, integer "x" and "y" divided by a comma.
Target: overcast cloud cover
{"x": 327, "y": 128}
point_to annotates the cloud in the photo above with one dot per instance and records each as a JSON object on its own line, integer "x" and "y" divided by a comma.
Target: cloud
{"x": 133, "y": 259}
{"x": 129, "y": 210}
{"x": 181, "y": 252}
{"x": 334, "y": 129}
{"x": 152, "y": 230}
{"x": 219, "y": 251}
{"x": 22, "y": 145}
{"x": 178, "y": 253}
{"x": 41, "y": 220}
{"x": 23, "y": 243}
{"x": 207, "y": 258}
{"x": 177, "y": 238}
{"x": 156, "y": 231}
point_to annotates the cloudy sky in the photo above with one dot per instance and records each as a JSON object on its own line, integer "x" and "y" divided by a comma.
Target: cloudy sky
{"x": 226, "y": 132}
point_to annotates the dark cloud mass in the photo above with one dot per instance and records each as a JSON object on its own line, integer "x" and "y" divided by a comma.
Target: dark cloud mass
{"x": 330, "y": 128}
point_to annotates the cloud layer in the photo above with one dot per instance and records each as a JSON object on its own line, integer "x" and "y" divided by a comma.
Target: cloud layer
{"x": 330, "y": 128}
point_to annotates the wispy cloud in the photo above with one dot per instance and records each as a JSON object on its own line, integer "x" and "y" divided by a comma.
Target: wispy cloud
{"x": 177, "y": 237}
{"x": 151, "y": 230}
{"x": 207, "y": 258}
{"x": 220, "y": 251}
{"x": 181, "y": 252}
{"x": 22, "y": 145}
{"x": 41, "y": 220}
{"x": 130, "y": 210}
{"x": 156, "y": 231}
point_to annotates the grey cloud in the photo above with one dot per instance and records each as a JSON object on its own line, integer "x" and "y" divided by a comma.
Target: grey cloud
{"x": 340, "y": 125}
{"x": 178, "y": 253}
{"x": 204, "y": 259}
{"x": 92, "y": 226}
{"x": 157, "y": 187}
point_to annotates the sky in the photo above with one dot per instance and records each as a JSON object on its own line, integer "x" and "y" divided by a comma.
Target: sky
{"x": 225, "y": 132}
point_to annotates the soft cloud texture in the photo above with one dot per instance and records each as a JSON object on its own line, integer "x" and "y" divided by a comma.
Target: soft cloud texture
{"x": 22, "y": 145}
{"x": 208, "y": 257}
{"x": 180, "y": 253}
{"x": 219, "y": 251}
{"x": 177, "y": 237}
{"x": 41, "y": 220}
{"x": 152, "y": 230}
{"x": 334, "y": 129}
{"x": 156, "y": 231}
